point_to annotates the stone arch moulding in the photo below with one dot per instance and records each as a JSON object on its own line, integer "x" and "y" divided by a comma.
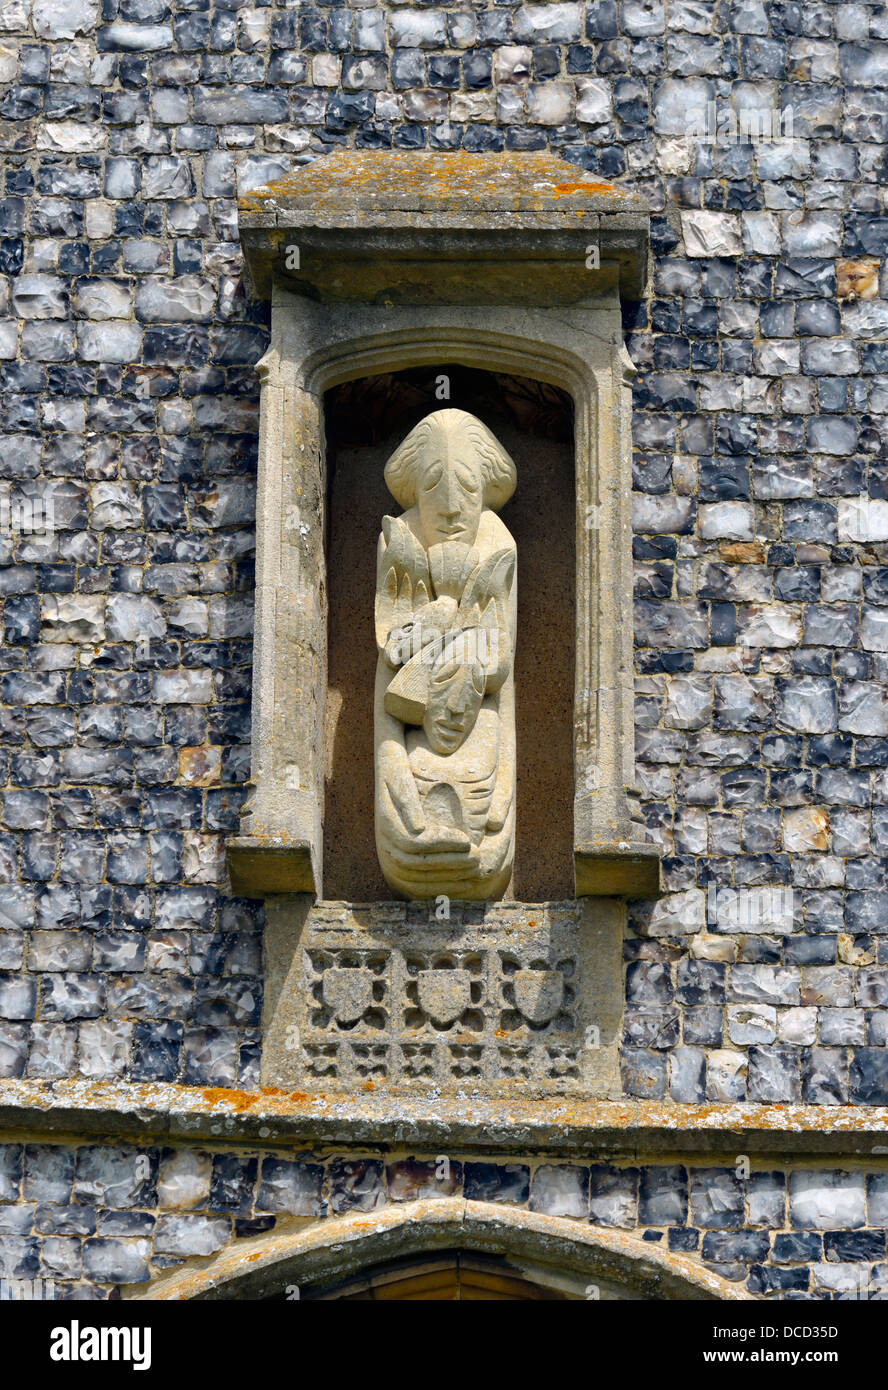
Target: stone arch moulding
{"x": 553, "y": 1251}
{"x": 361, "y": 284}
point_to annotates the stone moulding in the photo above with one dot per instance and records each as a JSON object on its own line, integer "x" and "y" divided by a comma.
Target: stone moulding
{"x": 561, "y": 1125}
{"x": 535, "y": 304}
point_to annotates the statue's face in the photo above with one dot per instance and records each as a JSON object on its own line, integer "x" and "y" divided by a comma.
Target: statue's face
{"x": 450, "y": 494}
{"x": 456, "y": 690}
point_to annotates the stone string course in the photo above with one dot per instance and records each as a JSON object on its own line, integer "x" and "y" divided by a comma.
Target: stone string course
{"x": 129, "y": 401}
{"x": 93, "y": 1218}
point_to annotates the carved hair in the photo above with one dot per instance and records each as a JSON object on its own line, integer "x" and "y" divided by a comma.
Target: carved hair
{"x": 496, "y": 468}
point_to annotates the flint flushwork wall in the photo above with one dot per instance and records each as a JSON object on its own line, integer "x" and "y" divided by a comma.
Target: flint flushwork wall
{"x": 129, "y": 413}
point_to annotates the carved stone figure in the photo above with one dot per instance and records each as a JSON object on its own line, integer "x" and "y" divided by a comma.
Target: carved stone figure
{"x": 444, "y": 711}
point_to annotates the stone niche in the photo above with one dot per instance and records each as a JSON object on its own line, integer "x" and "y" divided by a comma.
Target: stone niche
{"x": 402, "y": 285}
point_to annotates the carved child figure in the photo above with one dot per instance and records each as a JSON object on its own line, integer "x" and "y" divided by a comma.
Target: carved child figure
{"x": 444, "y": 713}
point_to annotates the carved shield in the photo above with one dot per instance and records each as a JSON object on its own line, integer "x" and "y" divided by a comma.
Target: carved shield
{"x": 444, "y": 994}
{"x": 348, "y": 992}
{"x": 538, "y": 993}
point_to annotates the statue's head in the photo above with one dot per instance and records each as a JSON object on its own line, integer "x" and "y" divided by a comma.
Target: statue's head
{"x": 451, "y": 467}
{"x": 455, "y": 691}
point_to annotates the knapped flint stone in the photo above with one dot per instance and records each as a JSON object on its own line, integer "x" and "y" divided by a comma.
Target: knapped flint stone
{"x": 648, "y": 983}
{"x": 644, "y": 1072}
{"x": 497, "y": 1182}
{"x": 744, "y": 1247}
{"x": 18, "y": 997}
{"x": 613, "y": 1196}
{"x": 766, "y": 1199}
{"x": 156, "y": 1051}
{"x": 764, "y": 984}
{"x": 17, "y": 1220}
{"x": 413, "y": 1179}
{"x": 774, "y": 1074}
{"x": 716, "y": 1198}
{"x": 233, "y": 1182}
{"x": 40, "y": 297}
{"x": 210, "y": 1057}
{"x": 59, "y": 1220}
{"x": 560, "y": 1190}
{"x": 19, "y": 1257}
{"x": 663, "y": 1196}
{"x": 749, "y": 1024}
{"x": 869, "y": 1076}
{"x": 827, "y": 1201}
{"x": 726, "y": 1074}
{"x": 60, "y": 1258}
{"x": 116, "y": 1261}
{"x": 356, "y": 1185}
{"x": 48, "y": 1173}
{"x": 134, "y": 38}
{"x": 126, "y": 1223}
{"x": 651, "y": 1028}
{"x": 797, "y": 1247}
{"x": 292, "y": 1187}
{"x": 765, "y": 1279}
{"x": 188, "y": 299}
{"x": 687, "y": 1072}
{"x": 854, "y": 1245}
{"x": 55, "y": 20}
{"x": 191, "y": 1233}
{"x": 415, "y": 29}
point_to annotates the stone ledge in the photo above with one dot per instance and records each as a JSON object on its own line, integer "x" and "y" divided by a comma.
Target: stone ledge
{"x": 621, "y": 870}
{"x": 426, "y": 227}
{"x": 599, "y": 1129}
{"x": 259, "y": 866}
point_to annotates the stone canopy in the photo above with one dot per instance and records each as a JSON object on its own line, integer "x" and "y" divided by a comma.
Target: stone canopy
{"x": 437, "y": 228}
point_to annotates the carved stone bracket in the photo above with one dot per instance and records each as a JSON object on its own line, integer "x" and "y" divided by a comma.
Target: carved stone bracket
{"x": 379, "y": 262}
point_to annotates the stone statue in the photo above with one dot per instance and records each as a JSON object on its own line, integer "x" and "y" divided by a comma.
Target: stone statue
{"x": 444, "y": 708}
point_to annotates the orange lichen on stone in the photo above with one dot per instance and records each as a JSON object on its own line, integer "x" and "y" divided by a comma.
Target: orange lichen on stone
{"x": 239, "y": 1101}
{"x": 584, "y": 186}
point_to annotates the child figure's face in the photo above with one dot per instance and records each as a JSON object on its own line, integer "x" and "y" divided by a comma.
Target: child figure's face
{"x": 456, "y": 690}
{"x": 450, "y": 494}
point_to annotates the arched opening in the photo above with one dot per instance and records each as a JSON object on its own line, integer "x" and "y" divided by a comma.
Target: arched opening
{"x": 365, "y": 419}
